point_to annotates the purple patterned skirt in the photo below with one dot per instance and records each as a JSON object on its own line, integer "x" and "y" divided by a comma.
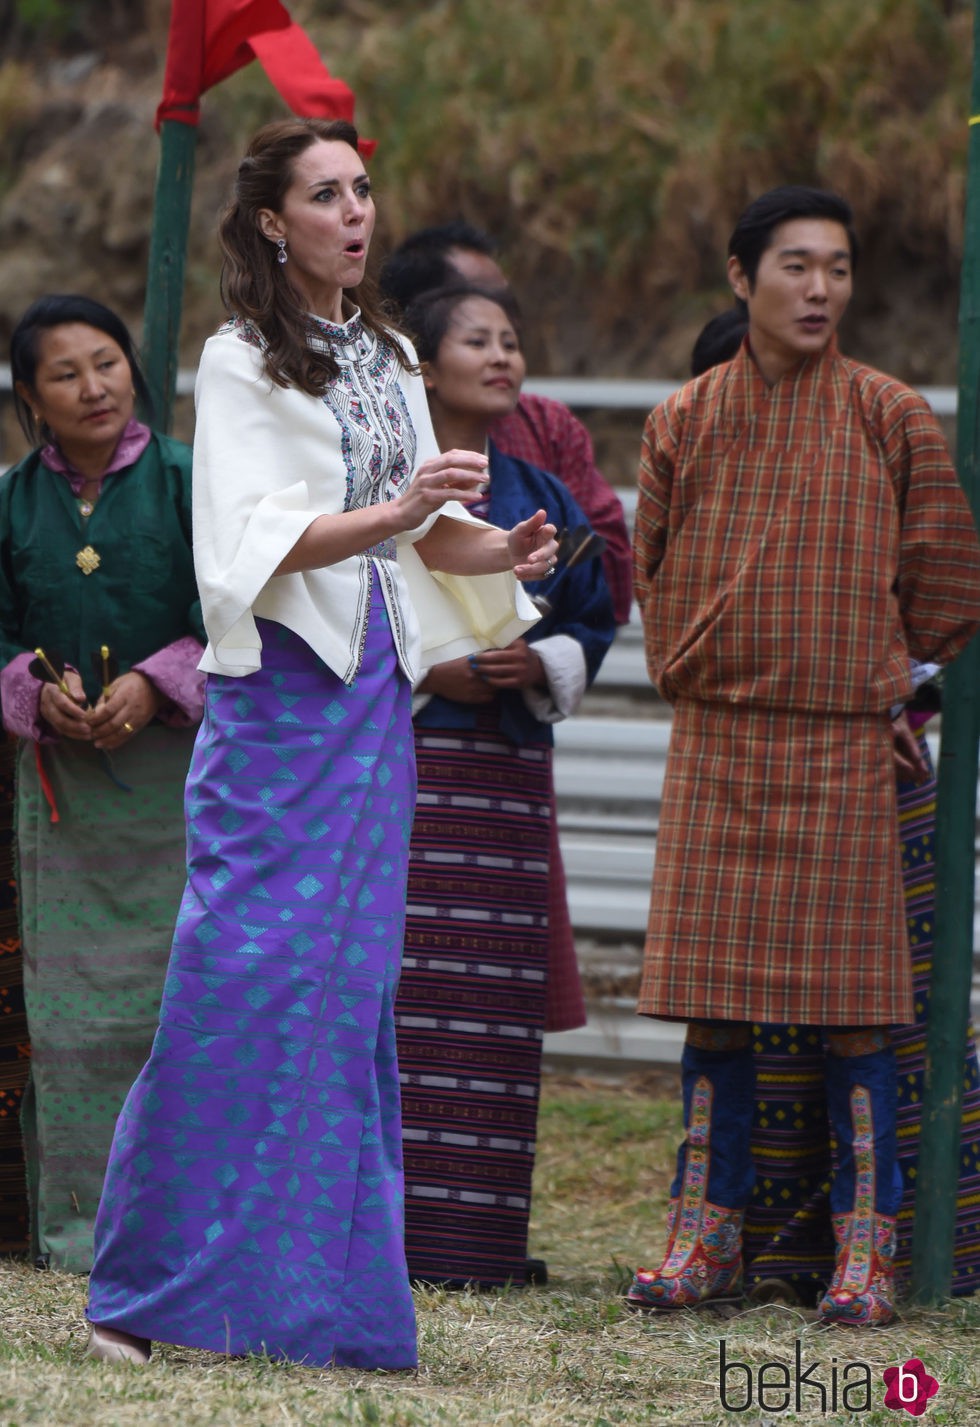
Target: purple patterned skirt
{"x": 254, "y": 1197}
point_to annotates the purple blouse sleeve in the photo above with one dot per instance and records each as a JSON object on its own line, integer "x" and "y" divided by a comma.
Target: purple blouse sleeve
{"x": 173, "y": 671}
{"x": 20, "y": 694}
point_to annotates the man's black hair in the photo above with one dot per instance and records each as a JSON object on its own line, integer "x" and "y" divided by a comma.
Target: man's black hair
{"x": 719, "y": 339}
{"x": 419, "y": 263}
{"x": 752, "y": 234}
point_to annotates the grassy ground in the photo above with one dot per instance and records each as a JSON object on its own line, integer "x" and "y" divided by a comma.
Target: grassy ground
{"x": 568, "y": 1355}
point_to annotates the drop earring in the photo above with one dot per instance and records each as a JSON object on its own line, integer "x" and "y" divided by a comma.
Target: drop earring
{"x": 281, "y": 255}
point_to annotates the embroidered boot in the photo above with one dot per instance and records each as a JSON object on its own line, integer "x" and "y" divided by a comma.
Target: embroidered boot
{"x": 862, "y": 1291}
{"x": 703, "y": 1262}
{"x": 867, "y": 1188}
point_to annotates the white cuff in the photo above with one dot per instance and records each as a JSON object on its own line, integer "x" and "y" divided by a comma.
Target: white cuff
{"x": 564, "y": 668}
{"x": 922, "y": 673}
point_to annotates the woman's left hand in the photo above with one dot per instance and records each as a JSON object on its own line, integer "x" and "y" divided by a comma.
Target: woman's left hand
{"x": 130, "y": 704}
{"x": 533, "y": 548}
{"x": 516, "y": 667}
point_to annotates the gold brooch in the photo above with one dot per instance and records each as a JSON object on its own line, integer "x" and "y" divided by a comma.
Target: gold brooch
{"x": 88, "y": 560}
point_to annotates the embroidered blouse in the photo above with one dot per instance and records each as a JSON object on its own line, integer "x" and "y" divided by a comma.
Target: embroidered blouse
{"x": 269, "y": 460}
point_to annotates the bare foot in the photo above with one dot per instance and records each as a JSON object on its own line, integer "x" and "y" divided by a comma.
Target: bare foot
{"x": 112, "y": 1345}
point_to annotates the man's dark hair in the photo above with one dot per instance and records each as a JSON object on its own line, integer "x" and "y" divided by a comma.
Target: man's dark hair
{"x": 419, "y": 263}
{"x": 752, "y": 234}
{"x": 719, "y": 339}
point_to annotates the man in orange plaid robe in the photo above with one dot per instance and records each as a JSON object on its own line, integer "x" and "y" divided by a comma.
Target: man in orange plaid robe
{"x": 802, "y": 543}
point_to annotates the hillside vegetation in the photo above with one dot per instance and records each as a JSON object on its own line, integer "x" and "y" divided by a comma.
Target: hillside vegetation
{"x": 607, "y": 145}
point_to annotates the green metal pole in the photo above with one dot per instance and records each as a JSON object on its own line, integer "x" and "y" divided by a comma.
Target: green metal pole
{"x": 165, "y": 276}
{"x": 952, "y": 963}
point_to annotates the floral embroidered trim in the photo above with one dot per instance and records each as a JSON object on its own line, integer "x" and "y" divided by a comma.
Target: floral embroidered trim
{"x": 862, "y": 1288}
{"x": 384, "y": 550}
{"x": 695, "y": 1184}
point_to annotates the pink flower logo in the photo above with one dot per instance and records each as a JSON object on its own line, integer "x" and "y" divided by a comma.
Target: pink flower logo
{"x": 909, "y": 1388}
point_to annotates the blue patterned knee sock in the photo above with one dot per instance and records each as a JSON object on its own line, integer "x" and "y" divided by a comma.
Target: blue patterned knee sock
{"x": 719, "y": 1092}
{"x": 861, "y": 1100}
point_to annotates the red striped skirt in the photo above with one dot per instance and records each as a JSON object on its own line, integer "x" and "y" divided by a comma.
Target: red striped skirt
{"x": 777, "y": 889}
{"x": 471, "y": 1003}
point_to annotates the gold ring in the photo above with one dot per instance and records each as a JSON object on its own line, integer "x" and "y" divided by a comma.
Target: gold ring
{"x": 129, "y": 728}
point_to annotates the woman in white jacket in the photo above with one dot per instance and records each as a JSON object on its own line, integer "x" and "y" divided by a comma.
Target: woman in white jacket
{"x": 254, "y": 1197}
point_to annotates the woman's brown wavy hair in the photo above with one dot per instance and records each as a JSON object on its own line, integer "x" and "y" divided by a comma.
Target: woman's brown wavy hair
{"x": 255, "y": 286}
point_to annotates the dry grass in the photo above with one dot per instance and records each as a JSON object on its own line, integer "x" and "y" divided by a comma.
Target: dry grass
{"x": 565, "y": 1356}
{"x": 610, "y": 146}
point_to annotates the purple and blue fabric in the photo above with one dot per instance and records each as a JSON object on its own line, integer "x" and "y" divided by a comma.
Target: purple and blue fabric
{"x": 254, "y": 1199}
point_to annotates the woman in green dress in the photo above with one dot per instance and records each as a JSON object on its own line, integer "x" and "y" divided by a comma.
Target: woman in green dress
{"x": 96, "y": 572}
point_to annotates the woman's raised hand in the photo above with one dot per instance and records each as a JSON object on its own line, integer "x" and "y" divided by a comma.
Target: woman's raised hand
{"x": 533, "y": 547}
{"x": 452, "y": 475}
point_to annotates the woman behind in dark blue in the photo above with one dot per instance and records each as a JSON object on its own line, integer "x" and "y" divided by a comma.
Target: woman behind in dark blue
{"x": 470, "y": 1009}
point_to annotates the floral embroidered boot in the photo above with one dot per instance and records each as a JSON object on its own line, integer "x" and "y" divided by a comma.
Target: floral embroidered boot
{"x": 867, "y": 1188}
{"x": 703, "y": 1262}
{"x": 862, "y": 1291}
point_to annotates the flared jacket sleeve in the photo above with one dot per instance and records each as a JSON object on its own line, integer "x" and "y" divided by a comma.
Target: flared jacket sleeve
{"x": 267, "y": 462}
{"x": 254, "y": 443}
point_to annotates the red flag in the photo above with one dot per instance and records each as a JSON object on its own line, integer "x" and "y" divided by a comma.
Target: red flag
{"x": 211, "y": 39}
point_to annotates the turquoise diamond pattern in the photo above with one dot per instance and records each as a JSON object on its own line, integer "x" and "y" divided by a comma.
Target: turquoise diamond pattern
{"x": 250, "y": 1155}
